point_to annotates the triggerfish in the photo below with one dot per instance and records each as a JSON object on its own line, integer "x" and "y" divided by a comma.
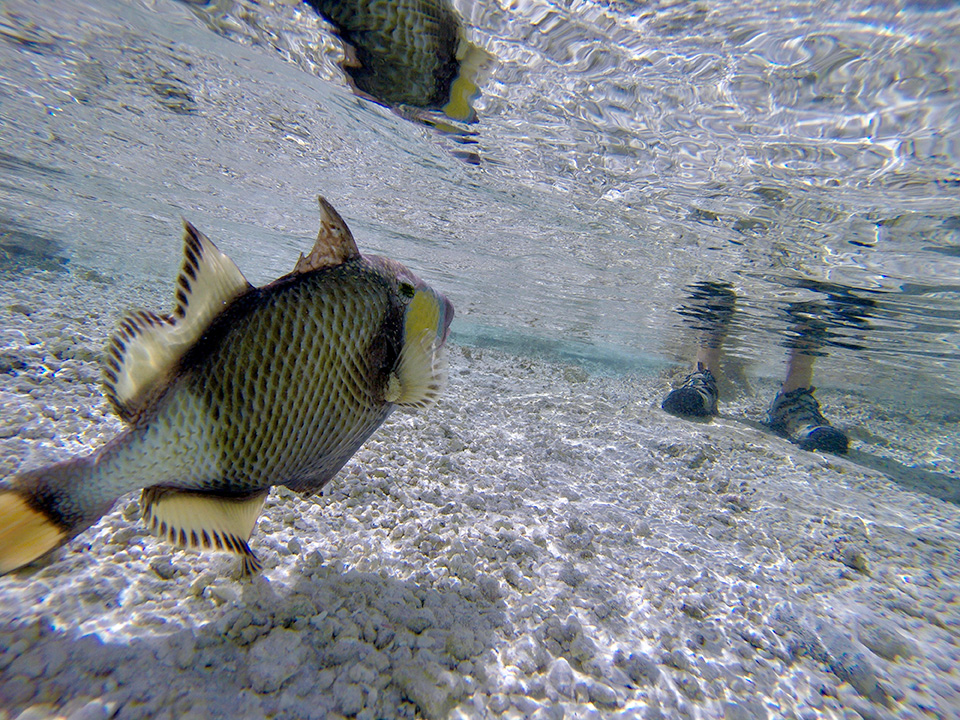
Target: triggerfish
{"x": 239, "y": 389}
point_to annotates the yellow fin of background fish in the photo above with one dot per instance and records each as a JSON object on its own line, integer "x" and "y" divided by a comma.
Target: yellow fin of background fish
{"x": 420, "y": 376}
{"x": 464, "y": 89}
{"x": 147, "y": 346}
{"x": 334, "y": 245}
{"x": 25, "y": 534}
{"x": 204, "y": 521}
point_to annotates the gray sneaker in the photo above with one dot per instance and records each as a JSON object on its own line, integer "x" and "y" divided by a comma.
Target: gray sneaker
{"x": 697, "y": 397}
{"x": 796, "y": 416}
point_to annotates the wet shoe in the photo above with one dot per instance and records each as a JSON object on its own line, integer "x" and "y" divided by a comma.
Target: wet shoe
{"x": 796, "y": 415}
{"x": 697, "y": 397}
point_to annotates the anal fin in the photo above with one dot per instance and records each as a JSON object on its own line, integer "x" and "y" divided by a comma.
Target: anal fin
{"x": 204, "y": 520}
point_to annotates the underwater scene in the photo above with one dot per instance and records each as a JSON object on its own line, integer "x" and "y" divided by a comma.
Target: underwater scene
{"x": 479, "y": 359}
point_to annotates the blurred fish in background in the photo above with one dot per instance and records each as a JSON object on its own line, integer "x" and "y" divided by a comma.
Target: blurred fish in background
{"x": 411, "y": 56}
{"x": 407, "y": 53}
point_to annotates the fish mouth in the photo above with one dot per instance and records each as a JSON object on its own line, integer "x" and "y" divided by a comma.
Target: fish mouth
{"x": 448, "y": 313}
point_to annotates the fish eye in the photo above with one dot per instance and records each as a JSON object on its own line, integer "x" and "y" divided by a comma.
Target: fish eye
{"x": 407, "y": 290}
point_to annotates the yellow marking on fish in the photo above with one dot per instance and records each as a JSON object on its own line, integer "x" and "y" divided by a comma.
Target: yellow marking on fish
{"x": 423, "y": 314}
{"x": 420, "y": 375}
{"x": 464, "y": 89}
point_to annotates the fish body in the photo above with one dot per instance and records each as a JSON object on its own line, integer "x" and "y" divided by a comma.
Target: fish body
{"x": 407, "y": 52}
{"x": 240, "y": 389}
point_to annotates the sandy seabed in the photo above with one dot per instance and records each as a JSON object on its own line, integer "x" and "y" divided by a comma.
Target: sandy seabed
{"x": 542, "y": 543}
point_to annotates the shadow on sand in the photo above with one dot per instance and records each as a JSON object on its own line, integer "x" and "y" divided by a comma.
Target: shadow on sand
{"x": 333, "y": 641}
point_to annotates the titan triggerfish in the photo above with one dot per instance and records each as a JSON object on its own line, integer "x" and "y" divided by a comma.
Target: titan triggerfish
{"x": 239, "y": 389}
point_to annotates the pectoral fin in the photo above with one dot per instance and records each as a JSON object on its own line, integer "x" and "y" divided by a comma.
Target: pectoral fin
{"x": 204, "y": 521}
{"x": 420, "y": 374}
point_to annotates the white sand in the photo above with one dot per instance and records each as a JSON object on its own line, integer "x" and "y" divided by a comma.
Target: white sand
{"x": 543, "y": 543}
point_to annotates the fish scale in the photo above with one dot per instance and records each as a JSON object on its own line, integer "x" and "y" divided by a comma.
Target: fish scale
{"x": 279, "y": 421}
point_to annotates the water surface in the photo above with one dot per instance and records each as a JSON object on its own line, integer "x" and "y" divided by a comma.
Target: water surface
{"x": 625, "y": 151}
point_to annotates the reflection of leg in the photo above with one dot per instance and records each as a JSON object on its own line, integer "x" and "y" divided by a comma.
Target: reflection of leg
{"x": 708, "y": 358}
{"x": 708, "y": 312}
{"x": 795, "y": 412}
{"x": 799, "y": 371}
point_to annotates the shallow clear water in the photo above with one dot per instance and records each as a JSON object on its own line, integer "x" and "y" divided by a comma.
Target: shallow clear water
{"x": 645, "y": 146}
{"x": 805, "y": 154}
{"x": 625, "y": 151}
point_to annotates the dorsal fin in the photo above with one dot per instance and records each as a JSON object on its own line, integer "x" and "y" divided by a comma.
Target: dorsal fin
{"x": 334, "y": 245}
{"x": 147, "y": 346}
{"x": 204, "y": 521}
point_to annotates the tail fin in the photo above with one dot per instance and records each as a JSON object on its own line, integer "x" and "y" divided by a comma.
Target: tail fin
{"x": 26, "y": 533}
{"x": 41, "y": 509}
